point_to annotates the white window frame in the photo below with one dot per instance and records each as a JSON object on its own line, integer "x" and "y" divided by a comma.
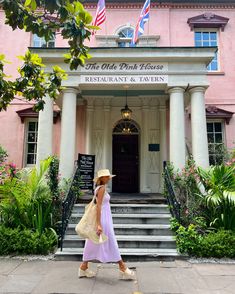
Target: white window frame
{"x": 42, "y": 42}
{"x": 218, "y": 42}
{"x": 26, "y": 122}
{"x": 124, "y": 40}
{"x": 211, "y": 120}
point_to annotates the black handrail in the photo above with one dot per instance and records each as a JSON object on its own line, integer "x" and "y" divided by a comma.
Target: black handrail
{"x": 67, "y": 205}
{"x": 173, "y": 203}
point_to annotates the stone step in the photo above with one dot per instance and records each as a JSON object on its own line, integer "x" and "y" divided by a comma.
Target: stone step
{"x": 134, "y": 229}
{"x": 161, "y": 218}
{"x": 124, "y": 241}
{"x": 128, "y": 254}
{"x": 129, "y": 208}
{"x": 129, "y": 199}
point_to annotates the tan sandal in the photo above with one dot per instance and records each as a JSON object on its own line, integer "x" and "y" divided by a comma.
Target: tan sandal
{"x": 127, "y": 274}
{"x": 85, "y": 273}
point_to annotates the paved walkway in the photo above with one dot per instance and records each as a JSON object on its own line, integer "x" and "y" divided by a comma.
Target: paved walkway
{"x": 39, "y": 276}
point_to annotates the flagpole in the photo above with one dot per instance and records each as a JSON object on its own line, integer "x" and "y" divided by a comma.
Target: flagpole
{"x": 148, "y": 31}
{"x": 106, "y": 33}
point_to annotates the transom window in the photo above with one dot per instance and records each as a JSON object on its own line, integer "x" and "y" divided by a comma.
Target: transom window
{"x": 215, "y": 142}
{"x": 31, "y": 142}
{"x": 208, "y": 39}
{"x": 126, "y": 127}
{"x": 125, "y": 37}
{"x": 41, "y": 42}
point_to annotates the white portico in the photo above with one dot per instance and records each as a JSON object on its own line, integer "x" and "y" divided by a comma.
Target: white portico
{"x": 161, "y": 82}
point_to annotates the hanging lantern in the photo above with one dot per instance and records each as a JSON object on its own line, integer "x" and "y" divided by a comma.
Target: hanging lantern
{"x": 126, "y": 112}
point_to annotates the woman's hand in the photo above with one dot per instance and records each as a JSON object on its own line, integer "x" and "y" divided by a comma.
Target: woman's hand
{"x": 99, "y": 230}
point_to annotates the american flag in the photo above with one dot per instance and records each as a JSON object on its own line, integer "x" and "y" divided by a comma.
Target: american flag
{"x": 144, "y": 17}
{"x": 100, "y": 13}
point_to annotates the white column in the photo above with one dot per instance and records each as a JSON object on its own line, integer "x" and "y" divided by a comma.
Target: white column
{"x": 68, "y": 133}
{"x": 144, "y": 146}
{"x": 198, "y": 125}
{"x": 177, "y": 127}
{"x": 106, "y": 136}
{"x": 89, "y": 125}
{"x": 163, "y": 144}
{"x": 45, "y": 131}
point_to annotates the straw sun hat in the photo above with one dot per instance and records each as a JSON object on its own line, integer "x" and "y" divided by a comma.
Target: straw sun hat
{"x": 103, "y": 173}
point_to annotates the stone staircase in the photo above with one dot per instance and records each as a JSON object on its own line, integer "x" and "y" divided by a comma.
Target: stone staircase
{"x": 141, "y": 226}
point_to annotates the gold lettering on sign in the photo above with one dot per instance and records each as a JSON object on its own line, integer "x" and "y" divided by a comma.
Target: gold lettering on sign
{"x": 126, "y": 67}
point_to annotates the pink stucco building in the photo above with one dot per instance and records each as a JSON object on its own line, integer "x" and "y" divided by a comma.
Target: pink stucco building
{"x": 179, "y": 87}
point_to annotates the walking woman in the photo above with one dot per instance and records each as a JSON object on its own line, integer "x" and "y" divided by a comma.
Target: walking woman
{"x": 107, "y": 251}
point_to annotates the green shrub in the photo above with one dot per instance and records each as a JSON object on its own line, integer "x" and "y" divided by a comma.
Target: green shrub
{"x": 198, "y": 241}
{"x": 218, "y": 244}
{"x": 18, "y": 241}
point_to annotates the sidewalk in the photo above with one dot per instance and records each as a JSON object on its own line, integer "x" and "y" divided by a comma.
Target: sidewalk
{"x": 40, "y": 276}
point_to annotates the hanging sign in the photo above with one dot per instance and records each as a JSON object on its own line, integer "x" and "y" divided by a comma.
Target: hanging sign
{"x": 86, "y": 166}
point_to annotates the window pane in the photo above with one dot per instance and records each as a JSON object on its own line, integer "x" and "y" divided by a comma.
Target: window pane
{"x": 213, "y": 43}
{"x": 206, "y": 44}
{"x": 32, "y": 126}
{"x": 218, "y": 127}
{"x": 211, "y": 160}
{"x": 198, "y": 44}
{"x": 31, "y": 137}
{"x": 211, "y": 148}
{"x": 213, "y": 66}
{"x": 128, "y": 34}
{"x": 218, "y": 138}
{"x": 209, "y": 127}
{"x": 205, "y": 36}
{"x": 31, "y": 148}
{"x": 210, "y": 138}
{"x": 36, "y": 41}
{"x": 219, "y": 148}
{"x": 213, "y": 36}
{"x": 197, "y": 36}
{"x": 30, "y": 159}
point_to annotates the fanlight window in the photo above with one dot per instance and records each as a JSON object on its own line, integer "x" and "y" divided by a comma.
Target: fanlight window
{"x": 125, "y": 37}
{"x": 126, "y": 127}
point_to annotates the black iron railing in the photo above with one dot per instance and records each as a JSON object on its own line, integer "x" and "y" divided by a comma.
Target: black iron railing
{"x": 173, "y": 203}
{"x": 67, "y": 205}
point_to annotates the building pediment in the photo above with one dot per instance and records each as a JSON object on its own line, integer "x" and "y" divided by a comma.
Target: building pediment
{"x": 218, "y": 113}
{"x": 208, "y": 20}
{"x": 30, "y": 113}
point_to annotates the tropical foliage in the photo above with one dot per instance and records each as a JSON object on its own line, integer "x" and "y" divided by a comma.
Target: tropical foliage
{"x": 219, "y": 183}
{"x": 30, "y": 201}
{"x": 207, "y": 198}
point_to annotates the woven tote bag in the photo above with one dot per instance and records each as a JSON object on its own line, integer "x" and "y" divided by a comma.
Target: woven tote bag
{"x": 86, "y": 228}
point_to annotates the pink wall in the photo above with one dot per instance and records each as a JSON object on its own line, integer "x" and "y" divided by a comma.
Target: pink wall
{"x": 168, "y": 22}
{"x": 12, "y": 133}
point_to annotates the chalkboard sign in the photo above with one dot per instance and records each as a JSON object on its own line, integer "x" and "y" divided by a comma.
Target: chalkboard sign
{"x": 86, "y": 166}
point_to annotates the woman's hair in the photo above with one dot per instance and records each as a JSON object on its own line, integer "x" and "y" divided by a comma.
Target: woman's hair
{"x": 99, "y": 182}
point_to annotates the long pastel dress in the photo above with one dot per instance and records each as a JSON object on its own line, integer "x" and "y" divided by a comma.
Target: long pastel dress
{"x": 107, "y": 251}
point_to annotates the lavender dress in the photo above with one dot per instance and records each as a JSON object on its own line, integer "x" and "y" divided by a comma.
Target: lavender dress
{"x": 107, "y": 251}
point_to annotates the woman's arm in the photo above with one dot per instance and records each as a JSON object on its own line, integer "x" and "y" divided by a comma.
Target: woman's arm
{"x": 100, "y": 196}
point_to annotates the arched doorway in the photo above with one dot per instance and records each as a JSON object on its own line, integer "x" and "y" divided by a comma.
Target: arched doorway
{"x": 126, "y": 157}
